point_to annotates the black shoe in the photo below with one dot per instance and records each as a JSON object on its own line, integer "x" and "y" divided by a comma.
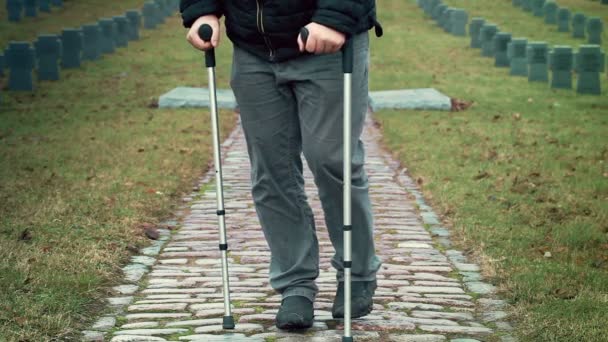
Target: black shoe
{"x": 296, "y": 312}
{"x": 362, "y": 293}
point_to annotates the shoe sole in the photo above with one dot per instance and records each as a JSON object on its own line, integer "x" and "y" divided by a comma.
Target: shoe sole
{"x": 359, "y": 315}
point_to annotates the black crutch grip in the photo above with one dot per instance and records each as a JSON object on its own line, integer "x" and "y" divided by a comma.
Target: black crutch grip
{"x": 205, "y": 32}
{"x": 347, "y": 51}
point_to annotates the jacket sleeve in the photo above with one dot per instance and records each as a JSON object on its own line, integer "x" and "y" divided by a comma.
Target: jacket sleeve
{"x": 194, "y": 9}
{"x": 341, "y": 15}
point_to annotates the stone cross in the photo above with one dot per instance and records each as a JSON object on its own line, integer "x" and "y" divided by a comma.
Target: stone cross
{"x": 589, "y": 63}
{"x": 20, "y": 62}
{"x": 459, "y": 19}
{"x": 31, "y": 9}
{"x": 561, "y": 62}
{"x": 595, "y": 27}
{"x": 48, "y": 52}
{"x": 149, "y": 14}
{"x": 91, "y": 49}
{"x": 537, "y": 55}
{"x": 579, "y": 21}
{"x": 438, "y": 13}
{"x": 108, "y": 31}
{"x": 486, "y": 35}
{"x": 57, "y": 3}
{"x": 14, "y": 8}
{"x": 563, "y": 20}
{"x": 474, "y": 30}
{"x": 550, "y": 9}
{"x": 71, "y": 41}
{"x": 501, "y": 41}
{"x": 516, "y": 51}
{"x": 537, "y": 7}
{"x": 44, "y": 5}
{"x": 134, "y": 24}
{"x": 121, "y": 39}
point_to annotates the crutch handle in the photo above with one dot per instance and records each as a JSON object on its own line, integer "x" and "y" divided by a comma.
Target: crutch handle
{"x": 347, "y": 51}
{"x": 205, "y": 32}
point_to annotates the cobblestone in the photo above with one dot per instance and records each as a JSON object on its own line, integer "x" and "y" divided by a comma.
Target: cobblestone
{"x": 418, "y": 289}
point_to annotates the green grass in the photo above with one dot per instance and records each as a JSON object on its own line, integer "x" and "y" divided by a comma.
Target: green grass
{"x": 84, "y": 162}
{"x": 523, "y": 172}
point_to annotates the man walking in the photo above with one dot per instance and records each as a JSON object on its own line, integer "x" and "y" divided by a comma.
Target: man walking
{"x": 290, "y": 98}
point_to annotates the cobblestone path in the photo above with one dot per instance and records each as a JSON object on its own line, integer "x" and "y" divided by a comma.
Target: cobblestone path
{"x": 426, "y": 290}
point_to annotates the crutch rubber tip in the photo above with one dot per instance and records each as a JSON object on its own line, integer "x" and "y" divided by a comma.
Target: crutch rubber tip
{"x": 228, "y": 322}
{"x": 347, "y": 339}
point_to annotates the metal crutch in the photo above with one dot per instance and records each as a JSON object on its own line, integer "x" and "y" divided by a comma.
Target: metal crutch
{"x": 205, "y": 32}
{"x": 347, "y": 70}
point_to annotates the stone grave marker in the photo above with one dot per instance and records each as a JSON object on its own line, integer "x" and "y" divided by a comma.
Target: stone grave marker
{"x": 537, "y": 55}
{"x": 516, "y": 3}
{"x": 31, "y": 10}
{"x": 589, "y": 63}
{"x": 486, "y": 35}
{"x": 71, "y": 55}
{"x": 44, "y": 6}
{"x": 57, "y": 3}
{"x": 550, "y": 10}
{"x": 134, "y": 24}
{"x": 108, "y": 31}
{"x": 561, "y": 62}
{"x": 446, "y": 23}
{"x": 438, "y": 13}
{"x": 149, "y": 14}
{"x": 501, "y": 41}
{"x": 516, "y": 51}
{"x": 595, "y": 27}
{"x": 160, "y": 11}
{"x": 48, "y": 53}
{"x": 1, "y": 65}
{"x": 14, "y": 9}
{"x": 20, "y": 62}
{"x": 563, "y": 20}
{"x": 537, "y": 7}
{"x": 430, "y": 7}
{"x": 459, "y": 19}
{"x": 474, "y": 30}
{"x": 121, "y": 39}
{"x": 526, "y": 5}
{"x": 91, "y": 48}
{"x": 579, "y": 21}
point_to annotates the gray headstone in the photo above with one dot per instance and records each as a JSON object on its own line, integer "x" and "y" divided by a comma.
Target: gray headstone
{"x": 31, "y": 8}
{"x": 474, "y": 30}
{"x": 579, "y": 21}
{"x": 438, "y": 13}
{"x": 71, "y": 55}
{"x": 1, "y": 65}
{"x": 446, "y": 23}
{"x": 161, "y": 14}
{"x": 589, "y": 63}
{"x": 431, "y": 6}
{"x": 526, "y": 5}
{"x": 150, "y": 16}
{"x": 415, "y": 99}
{"x": 108, "y": 31}
{"x": 516, "y": 52}
{"x": 48, "y": 52}
{"x": 20, "y": 62}
{"x": 595, "y": 27}
{"x": 563, "y": 20}
{"x": 186, "y": 97}
{"x": 134, "y": 24}
{"x": 458, "y": 20}
{"x": 537, "y": 55}
{"x": 537, "y": 7}
{"x": 501, "y": 41}
{"x": 91, "y": 49}
{"x": 550, "y": 10}
{"x": 121, "y": 39}
{"x": 44, "y": 6}
{"x": 516, "y": 3}
{"x": 14, "y": 8}
{"x": 486, "y": 36}
{"x": 57, "y": 3}
{"x": 561, "y": 62}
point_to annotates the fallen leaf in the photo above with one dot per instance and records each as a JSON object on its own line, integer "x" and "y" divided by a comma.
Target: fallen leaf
{"x": 152, "y": 233}
{"x": 481, "y": 175}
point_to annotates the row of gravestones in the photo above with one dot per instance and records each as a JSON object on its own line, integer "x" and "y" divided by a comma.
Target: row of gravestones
{"x": 50, "y": 52}
{"x": 579, "y": 24}
{"x": 16, "y": 8}
{"x": 530, "y": 59}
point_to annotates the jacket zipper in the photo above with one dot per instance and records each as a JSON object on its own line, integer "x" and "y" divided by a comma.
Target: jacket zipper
{"x": 260, "y": 24}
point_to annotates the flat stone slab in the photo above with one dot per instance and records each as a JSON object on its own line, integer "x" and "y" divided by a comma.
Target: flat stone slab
{"x": 420, "y": 99}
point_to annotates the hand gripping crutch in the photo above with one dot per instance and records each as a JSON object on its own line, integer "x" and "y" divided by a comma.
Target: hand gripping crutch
{"x": 205, "y": 32}
{"x": 347, "y": 70}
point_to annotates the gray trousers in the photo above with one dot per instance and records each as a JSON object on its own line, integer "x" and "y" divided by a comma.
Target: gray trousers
{"x": 296, "y": 107}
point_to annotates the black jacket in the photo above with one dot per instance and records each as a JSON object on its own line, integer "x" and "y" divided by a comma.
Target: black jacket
{"x": 269, "y": 28}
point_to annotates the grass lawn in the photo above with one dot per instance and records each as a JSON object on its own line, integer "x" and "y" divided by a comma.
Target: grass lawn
{"x": 85, "y": 163}
{"x": 521, "y": 177}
